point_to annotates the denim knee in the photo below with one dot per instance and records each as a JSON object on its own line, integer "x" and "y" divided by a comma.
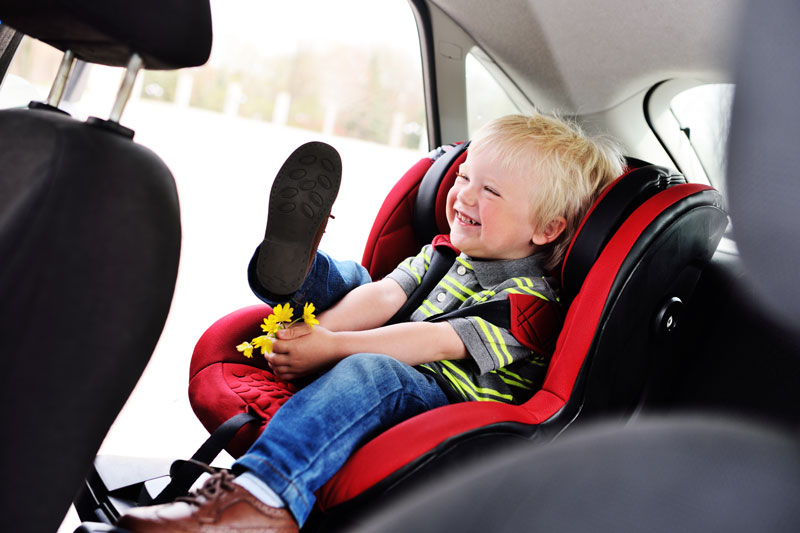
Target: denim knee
{"x": 368, "y": 366}
{"x": 368, "y": 362}
{"x": 385, "y": 374}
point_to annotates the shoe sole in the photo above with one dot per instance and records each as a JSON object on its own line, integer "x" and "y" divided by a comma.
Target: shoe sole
{"x": 300, "y": 201}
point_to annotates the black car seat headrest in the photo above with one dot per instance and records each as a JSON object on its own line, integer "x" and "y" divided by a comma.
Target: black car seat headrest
{"x": 166, "y": 34}
{"x": 763, "y": 158}
{"x": 609, "y": 211}
{"x": 621, "y": 198}
{"x": 429, "y": 218}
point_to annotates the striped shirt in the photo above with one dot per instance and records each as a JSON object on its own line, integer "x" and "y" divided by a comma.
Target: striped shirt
{"x": 499, "y": 368}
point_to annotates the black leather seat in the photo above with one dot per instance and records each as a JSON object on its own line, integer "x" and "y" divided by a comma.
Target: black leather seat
{"x": 90, "y": 241}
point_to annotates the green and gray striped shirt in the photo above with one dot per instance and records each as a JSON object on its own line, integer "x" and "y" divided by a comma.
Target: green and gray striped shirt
{"x": 500, "y": 369}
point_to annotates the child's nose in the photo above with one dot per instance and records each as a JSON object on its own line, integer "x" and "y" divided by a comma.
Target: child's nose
{"x": 466, "y": 195}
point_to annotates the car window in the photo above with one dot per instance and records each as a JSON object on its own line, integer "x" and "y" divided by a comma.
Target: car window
{"x": 703, "y": 114}
{"x": 276, "y": 78}
{"x": 268, "y": 86}
{"x": 486, "y": 98}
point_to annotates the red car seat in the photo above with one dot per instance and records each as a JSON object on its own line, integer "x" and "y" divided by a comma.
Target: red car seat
{"x": 629, "y": 272}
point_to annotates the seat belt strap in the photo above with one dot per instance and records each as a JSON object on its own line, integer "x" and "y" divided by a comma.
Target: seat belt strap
{"x": 533, "y": 321}
{"x": 185, "y": 473}
{"x": 443, "y": 258}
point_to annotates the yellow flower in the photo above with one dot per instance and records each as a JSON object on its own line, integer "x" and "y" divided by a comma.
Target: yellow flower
{"x": 283, "y": 313}
{"x": 270, "y": 324}
{"x": 247, "y": 349}
{"x": 264, "y": 342}
{"x": 308, "y": 315}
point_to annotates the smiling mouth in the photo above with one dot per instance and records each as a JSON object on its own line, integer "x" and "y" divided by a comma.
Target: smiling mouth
{"x": 466, "y": 220}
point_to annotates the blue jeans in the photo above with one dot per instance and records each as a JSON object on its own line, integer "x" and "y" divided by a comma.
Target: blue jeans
{"x": 325, "y": 284}
{"x": 316, "y": 430}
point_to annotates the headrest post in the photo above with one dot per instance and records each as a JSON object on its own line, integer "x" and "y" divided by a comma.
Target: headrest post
{"x": 57, "y": 90}
{"x": 126, "y": 87}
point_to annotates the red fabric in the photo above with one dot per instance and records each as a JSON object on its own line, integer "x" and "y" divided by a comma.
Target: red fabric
{"x": 405, "y": 442}
{"x": 535, "y": 322}
{"x": 224, "y": 383}
{"x": 392, "y": 238}
{"x": 214, "y": 345}
{"x": 444, "y": 240}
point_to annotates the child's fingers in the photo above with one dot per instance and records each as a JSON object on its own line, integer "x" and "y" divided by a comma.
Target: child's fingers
{"x": 294, "y": 332}
{"x": 277, "y": 359}
{"x": 285, "y": 372}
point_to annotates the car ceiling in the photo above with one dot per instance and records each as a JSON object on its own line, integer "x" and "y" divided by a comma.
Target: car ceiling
{"x": 584, "y": 57}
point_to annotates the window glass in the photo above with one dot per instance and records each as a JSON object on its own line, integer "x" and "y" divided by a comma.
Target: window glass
{"x": 486, "y": 99}
{"x": 703, "y": 114}
{"x": 30, "y": 74}
{"x": 349, "y": 75}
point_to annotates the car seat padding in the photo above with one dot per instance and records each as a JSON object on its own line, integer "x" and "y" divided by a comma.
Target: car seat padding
{"x": 416, "y": 440}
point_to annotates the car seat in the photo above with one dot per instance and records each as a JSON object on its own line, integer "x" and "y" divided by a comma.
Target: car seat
{"x": 708, "y": 471}
{"x": 629, "y": 272}
{"x": 89, "y": 240}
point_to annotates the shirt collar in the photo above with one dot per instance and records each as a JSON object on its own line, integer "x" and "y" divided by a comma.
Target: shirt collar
{"x": 493, "y": 272}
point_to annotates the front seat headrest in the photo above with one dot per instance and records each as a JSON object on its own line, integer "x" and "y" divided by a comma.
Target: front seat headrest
{"x": 764, "y": 185}
{"x": 167, "y": 34}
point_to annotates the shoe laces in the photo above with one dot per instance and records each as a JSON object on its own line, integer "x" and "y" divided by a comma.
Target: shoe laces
{"x": 219, "y": 482}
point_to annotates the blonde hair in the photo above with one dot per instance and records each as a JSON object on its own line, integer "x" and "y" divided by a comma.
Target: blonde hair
{"x": 573, "y": 168}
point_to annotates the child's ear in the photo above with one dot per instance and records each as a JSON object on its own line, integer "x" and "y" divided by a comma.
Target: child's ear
{"x": 550, "y": 232}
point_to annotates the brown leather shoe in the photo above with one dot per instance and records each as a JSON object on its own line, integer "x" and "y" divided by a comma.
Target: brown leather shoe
{"x": 219, "y": 506}
{"x": 299, "y": 206}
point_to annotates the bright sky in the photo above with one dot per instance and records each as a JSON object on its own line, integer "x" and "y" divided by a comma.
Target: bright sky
{"x": 274, "y": 26}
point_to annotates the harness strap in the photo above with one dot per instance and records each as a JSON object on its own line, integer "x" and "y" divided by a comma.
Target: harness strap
{"x": 443, "y": 258}
{"x": 533, "y": 321}
{"x": 185, "y": 473}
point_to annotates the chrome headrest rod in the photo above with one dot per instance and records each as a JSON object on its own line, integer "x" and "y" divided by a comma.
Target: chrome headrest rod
{"x": 57, "y": 90}
{"x": 126, "y": 87}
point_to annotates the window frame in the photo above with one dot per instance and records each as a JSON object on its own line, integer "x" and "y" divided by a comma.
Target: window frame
{"x": 667, "y": 129}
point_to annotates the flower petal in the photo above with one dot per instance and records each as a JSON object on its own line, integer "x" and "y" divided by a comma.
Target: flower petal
{"x": 308, "y": 315}
{"x": 283, "y": 313}
{"x": 246, "y": 348}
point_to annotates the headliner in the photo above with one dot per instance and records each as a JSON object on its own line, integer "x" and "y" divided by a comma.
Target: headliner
{"x": 585, "y": 57}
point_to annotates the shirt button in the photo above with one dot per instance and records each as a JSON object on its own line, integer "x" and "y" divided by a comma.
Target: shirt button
{"x": 461, "y": 270}
{"x": 440, "y": 297}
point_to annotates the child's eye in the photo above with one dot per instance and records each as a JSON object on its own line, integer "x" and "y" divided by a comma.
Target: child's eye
{"x": 462, "y": 176}
{"x": 492, "y": 191}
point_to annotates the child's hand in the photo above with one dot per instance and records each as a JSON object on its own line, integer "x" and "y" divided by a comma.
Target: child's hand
{"x": 301, "y": 350}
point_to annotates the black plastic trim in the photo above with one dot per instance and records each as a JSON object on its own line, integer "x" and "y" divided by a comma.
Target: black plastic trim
{"x": 649, "y": 120}
{"x": 425, "y": 29}
{"x": 627, "y": 195}
{"x": 658, "y": 228}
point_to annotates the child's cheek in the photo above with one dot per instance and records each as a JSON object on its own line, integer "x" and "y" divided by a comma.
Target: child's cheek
{"x": 449, "y": 211}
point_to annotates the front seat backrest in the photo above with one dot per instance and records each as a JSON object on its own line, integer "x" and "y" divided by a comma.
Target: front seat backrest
{"x": 89, "y": 247}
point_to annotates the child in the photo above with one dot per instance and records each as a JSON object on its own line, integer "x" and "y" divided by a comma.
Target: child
{"x": 515, "y": 205}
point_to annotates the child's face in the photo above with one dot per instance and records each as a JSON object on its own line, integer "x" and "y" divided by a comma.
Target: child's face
{"x": 489, "y": 210}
